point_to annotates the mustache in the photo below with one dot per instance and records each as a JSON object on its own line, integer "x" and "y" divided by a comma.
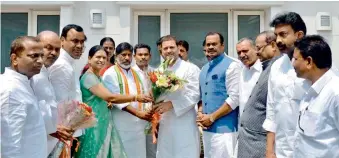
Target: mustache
{"x": 281, "y": 45}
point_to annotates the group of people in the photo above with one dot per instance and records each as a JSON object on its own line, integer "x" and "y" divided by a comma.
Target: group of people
{"x": 277, "y": 100}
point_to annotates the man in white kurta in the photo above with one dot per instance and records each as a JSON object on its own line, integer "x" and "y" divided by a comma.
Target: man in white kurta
{"x": 317, "y": 133}
{"x": 142, "y": 56}
{"x": 128, "y": 118}
{"x": 43, "y": 88}
{"x": 23, "y": 133}
{"x": 285, "y": 89}
{"x": 62, "y": 73}
{"x": 178, "y": 133}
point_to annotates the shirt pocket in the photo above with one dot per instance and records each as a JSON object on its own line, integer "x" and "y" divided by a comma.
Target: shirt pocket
{"x": 308, "y": 123}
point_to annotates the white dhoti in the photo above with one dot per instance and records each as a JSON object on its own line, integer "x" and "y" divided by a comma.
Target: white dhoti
{"x": 219, "y": 145}
{"x": 134, "y": 143}
{"x": 151, "y": 149}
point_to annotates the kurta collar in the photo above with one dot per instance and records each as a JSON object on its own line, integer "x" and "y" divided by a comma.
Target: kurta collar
{"x": 257, "y": 66}
{"x": 9, "y": 71}
{"x": 66, "y": 56}
{"x": 322, "y": 81}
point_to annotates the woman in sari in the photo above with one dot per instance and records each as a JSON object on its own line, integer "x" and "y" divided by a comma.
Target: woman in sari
{"x": 103, "y": 140}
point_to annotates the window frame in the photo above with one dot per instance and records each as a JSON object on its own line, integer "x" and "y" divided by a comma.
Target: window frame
{"x": 35, "y": 19}
{"x": 235, "y": 25}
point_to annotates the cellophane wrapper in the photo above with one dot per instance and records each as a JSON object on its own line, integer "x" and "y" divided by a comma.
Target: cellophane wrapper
{"x": 75, "y": 115}
{"x": 163, "y": 82}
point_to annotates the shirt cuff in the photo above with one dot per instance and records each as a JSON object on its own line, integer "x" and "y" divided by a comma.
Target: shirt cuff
{"x": 269, "y": 125}
{"x": 231, "y": 103}
{"x": 121, "y": 106}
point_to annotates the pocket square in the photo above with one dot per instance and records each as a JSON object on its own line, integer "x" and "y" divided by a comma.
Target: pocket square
{"x": 214, "y": 77}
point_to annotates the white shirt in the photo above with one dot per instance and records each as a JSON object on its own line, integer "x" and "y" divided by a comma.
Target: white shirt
{"x": 178, "y": 131}
{"x": 23, "y": 133}
{"x": 317, "y": 133}
{"x": 285, "y": 91}
{"x": 64, "y": 81}
{"x": 122, "y": 119}
{"x": 232, "y": 82}
{"x": 248, "y": 79}
{"x": 44, "y": 92}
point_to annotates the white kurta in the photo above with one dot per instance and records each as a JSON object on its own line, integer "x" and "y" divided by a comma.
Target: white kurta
{"x": 248, "y": 79}
{"x": 44, "y": 91}
{"x": 285, "y": 91}
{"x": 178, "y": 132}
{"x": 130, "y": 128}
{"x": 151, "y": 149}
{"x": 23, "y": 133}
{"x": 317, "y": 134}
{"x": 64, "y": 81}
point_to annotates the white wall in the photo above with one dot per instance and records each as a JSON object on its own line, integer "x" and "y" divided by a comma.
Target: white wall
{"x": 121, "y": 31}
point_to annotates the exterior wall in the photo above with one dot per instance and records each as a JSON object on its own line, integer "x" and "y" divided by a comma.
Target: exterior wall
{"x": 119, "y": 17}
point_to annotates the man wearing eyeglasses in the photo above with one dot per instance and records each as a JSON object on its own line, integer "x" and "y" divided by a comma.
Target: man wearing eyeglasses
{"x": 252, "y": 137}
{"x": 63, "y": 78}
{"x": 317, "y": 133}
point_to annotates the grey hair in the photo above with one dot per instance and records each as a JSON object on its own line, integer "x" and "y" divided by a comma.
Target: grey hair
{"x": 270, "y": 36}
{"x": 252, "y": 43}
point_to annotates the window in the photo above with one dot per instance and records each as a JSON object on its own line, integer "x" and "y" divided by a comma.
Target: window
{"x": 193, "y": 27}
{"x": 14, "y": 24}
{"x": 46, "y": 20}
{"x": 148, "y": 31}
{"x": 247, "y": 24}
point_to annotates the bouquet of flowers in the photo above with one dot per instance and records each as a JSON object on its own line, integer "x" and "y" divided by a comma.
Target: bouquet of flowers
{"x": 74, "y": 115}
{"x": 163, "y": 82}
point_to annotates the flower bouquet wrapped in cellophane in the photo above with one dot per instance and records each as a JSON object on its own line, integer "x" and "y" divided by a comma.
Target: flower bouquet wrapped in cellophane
{"x": 74, "y": 115}
{"x": 163, "y": 82}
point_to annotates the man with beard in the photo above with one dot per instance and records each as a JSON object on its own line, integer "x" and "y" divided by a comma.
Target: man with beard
{"x": 62, "y": 72}
{"x": 317, "y": 133}
{"x": 142, "y": 56}
{"x": 218, "y": 110}
{"x": 23, "y": 132}
{"x": 178, "y": 132}
{"x": 44, "y": 90}
{"x": 285, "y": 89}
{"x": 130, "y": 118}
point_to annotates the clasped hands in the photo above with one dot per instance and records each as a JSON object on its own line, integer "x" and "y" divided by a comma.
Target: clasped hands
{"x": 204, "y": 120}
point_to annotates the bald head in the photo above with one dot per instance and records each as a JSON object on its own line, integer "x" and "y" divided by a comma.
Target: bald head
{"x": 52, "y": 45}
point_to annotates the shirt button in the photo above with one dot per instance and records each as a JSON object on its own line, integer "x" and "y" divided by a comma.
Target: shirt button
{"x": 256, "y": 83}
{"x": 205, "y": 103}
{"x": 241, "y": 125}
{"x": 206, "y": 83}
{"x": 205, "y": 93}
{"x": 250, "y": 96}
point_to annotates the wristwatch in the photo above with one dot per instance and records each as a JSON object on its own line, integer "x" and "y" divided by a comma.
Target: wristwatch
{"x": 211, "y": 118}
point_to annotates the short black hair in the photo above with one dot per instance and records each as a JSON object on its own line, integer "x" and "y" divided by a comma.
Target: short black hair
{"x": 17, "y": 46}
{"x": 123, "y": 46}
{"x": 184, "y": 44}
{"x": 141, "y": 45}
{"x": 290, "y": 18}
{"x": 69, "y": 27}
{"x": 105, "y": 39}
{"x": 221, "y": 37}
{"x": 204, "y": 43}
{"x": 316, "y": 47}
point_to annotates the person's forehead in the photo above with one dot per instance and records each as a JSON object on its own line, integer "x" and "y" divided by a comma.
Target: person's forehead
{"x": 168, "y": 43}
{"x": 55, "y": 42}
{"x": 260, "y": 39}
{"x": 283, "y": 27}
{"x": 72, "y": 33}
{"x": 212, "y": 38}
{"x": 142, "y": 50}
{"x": 108, "y": 43}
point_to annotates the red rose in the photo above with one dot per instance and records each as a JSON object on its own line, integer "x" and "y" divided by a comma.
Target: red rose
{"x": 153, "y": 78}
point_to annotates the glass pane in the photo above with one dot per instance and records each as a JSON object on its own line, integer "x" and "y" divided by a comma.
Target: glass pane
{"x": 12, "y": 26}
{"x": 192, "y": 27}
{"x": 48, "y": 22}
{"x": 248, "y": 26}
{"x": 149, "y": 33}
